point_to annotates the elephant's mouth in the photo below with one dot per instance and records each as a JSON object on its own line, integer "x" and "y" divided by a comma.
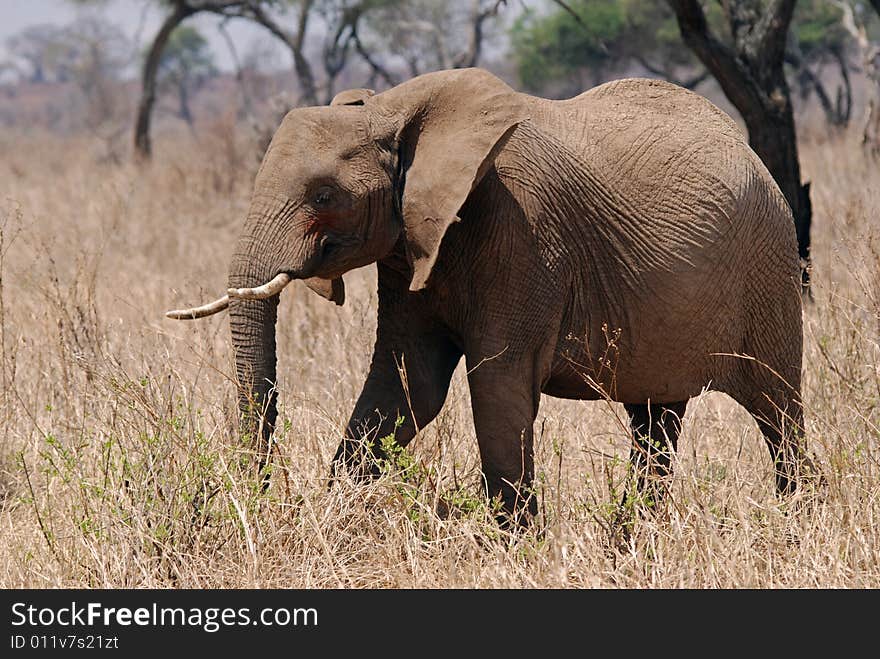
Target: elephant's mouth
{"x": 329, "y": 246}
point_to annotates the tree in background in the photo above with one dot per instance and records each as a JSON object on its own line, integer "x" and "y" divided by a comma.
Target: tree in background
{"x": 186, "y": 64}
{"x": 89, "y": 46}
{"x": 582, "y": 43}
{"x": 424, "y": 35}
{"x": 177, "y": 12}
{"x": 258, "y": 11}
{"x": 869, "y": 56}
{"x": 91, "y": 54}
{"x": 96, "y": 55}
{"x": 818, "y": 38}
{"x": 343, "y": 21}
{"x": 254, "y": 69}
{"x": 652, "y": 40}
{"x": 36, "y": 52}
{"x": 575, "y": 46}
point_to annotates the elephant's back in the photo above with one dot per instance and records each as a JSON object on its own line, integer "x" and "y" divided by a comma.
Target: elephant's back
{"x": 657, "y": 101}
{"x": 641, "y": 133}
{"x": 669, "y": 159}
{"x": 683, "y": 166}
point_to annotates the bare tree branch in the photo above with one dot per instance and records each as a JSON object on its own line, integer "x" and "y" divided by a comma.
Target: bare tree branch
{"x": 239, "y": 73}
{"x": 143, "y": 146}
{"x": 471, "y": 56}
{"x": 687, "y": 83}
{"x": 772, "y": 30}
{"x": 377, "y": 68}
{"x": 835, "y": 116}
{"x": 722, "y": 62}
{"x": 254, "y": 10}
{"x": 567, "y": 8}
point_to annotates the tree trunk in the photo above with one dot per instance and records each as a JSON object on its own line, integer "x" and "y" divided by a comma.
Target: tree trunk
{"x": 306, "y": 79}
{"x": 184, "y": 110}
{"x": 752, "y": 76}
{"x": 247, "y": 109}
{"x": 772, "y": 137}
{"x": 142, "y": 144}
{"x": 838, "y": 113}
{"x": 295, "y": 43}
{"x": 844, "y": 92}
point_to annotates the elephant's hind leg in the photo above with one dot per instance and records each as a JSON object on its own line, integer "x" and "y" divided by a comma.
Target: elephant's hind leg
{"x": 780, "y": 418}
{"x": 655, "y": 430}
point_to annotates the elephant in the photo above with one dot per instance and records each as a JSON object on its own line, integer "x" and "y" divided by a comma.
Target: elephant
{"x": 625, "y": 244}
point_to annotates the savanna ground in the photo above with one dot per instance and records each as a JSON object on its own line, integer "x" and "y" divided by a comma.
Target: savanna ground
{"x": 120, "y": 465}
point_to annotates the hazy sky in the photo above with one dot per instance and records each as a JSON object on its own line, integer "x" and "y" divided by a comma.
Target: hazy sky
{"x": 131, "y": 16}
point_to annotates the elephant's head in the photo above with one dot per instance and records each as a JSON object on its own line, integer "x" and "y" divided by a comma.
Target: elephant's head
{"x": 341, "y": 186}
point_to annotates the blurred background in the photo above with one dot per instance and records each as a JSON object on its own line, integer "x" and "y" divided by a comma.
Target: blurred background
{"x": 107, "y": 66}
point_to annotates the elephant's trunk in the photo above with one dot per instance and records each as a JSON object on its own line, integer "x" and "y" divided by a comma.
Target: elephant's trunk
{"x": 253, "y": 338}
{"x": 269, "y": 255}
{"x": 252, "y": 322}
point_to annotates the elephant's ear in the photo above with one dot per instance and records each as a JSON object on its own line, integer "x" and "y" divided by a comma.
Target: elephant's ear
{"x": 333, "y": 290}
{"x": 352, "y": 97}
{"x": 455, "y": 125}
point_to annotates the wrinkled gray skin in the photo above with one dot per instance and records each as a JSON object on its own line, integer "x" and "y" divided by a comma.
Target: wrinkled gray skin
{"x": 625, "y": 244}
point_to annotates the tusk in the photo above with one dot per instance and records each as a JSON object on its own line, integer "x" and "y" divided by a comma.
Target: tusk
{"x": 262, "y": 292}
{"x": 200, "y": 312}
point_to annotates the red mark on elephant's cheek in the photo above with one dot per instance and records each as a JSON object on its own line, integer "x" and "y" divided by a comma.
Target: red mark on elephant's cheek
{"x": 326, "y": 220}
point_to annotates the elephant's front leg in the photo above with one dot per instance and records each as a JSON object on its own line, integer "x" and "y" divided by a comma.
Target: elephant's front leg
{"x": 413, "y": 361}
{"x": 409, "y": 378}
{"x": 505, "y": 398}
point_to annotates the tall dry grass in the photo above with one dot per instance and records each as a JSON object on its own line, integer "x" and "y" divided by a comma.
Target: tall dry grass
{"x": 120, "y": 465}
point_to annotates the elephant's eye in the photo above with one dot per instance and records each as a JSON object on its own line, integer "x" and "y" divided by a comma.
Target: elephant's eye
{"x": 323, "y": 197}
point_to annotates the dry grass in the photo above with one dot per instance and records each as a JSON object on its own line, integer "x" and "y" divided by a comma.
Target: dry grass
{"x": 120, "y": 465}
